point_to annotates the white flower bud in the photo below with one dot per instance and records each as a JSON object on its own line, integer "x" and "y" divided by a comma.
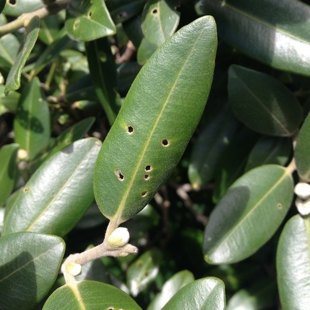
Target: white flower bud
{"x": 303, "y": 207}
{"x": 302, "y": 190}
{"x": 119, "y": 237}
{"x": 74, "y": 268}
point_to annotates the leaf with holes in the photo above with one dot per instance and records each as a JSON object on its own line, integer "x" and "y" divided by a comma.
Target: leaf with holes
{"x": 261, "y": 30}
{"x": 29, "y": 265}
{"x": 160, "y": 20}
{"x": 19, "y": 7}
{"x": 248, "y": 215}
{"x": 293, "y": 264}
{"x": 262, "y": 103}
{"x": 8, "y": 169}
{"x": 58, "y": 193}
{"x": 204, "y": 294}
{"x": 30, "y": 38}
{"x": 88, "y": 20}
{"x": 32, "y": 120}
{"x": 156, "y": 121}
{"x": 89, "y": 295}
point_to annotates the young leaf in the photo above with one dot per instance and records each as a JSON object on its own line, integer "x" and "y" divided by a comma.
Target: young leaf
{"x": 203, "y": 294}
{"x": 293, "y": 264}
{"x": 261, "y": 30}
{"x": 248, "y": 215}
{"x": 30, "y": 38}
{"x": 8, "y": 158}
{"x": 160, "y": 20}
{"x": 156, "y": 121}
{"x": 302, "y": 151}
{"x": 59, "y": 192}
{"x": 32, "y": 120}
{"x": 89, "y": 295}
{"x": 29, "y": 265}
{"x": 88, "y": 20}
{"x": 262, "y": 103}
{"x": 170, "y": 288}
{"x": 104, "y": 76}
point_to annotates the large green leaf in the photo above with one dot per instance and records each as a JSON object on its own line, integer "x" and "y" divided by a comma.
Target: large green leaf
{"x": 209, "y": 147}
{"x": 88, "y": 20}
{"x": 32, "y": 120}
{"x": 265, "y": 30}
{"x": 160, "y": 20}
{"x": 89, "y": 295}
{"x": 30, "y": 38}
{"x": 104, "y": 76}
{"x": 203, "y": 294}
{"x": 58, "y": 194}
{"x": 170, "y": 288}
{"x": 143, "y": 271}
{"x": 19, "y": 7}
{"x": 262, "y": 103}
{"x": 156, "y": 121}
{"x": 293, "y": 264}
{"x": 248, "y": 215}
{"x": 302, "y": 151}
{"x": 8, "y": 157}
{"x": 29, "y": 265}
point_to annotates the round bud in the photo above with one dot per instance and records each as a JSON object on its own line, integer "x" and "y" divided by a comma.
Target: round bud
{"x": 74, "y": 268}
{"x": 119, "y": 237}
{"x": 302, "y": 190}
{"x": 22, "y": 154}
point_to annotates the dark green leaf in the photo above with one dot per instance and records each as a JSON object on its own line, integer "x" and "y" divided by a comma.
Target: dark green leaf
{"x": 2, "y": 4}
{"x": 293, "y": 264}
{"x": 58, "y": 194}
{"x": 10, "y": 101}
{"x": 302, "y": 151}
{"x": 89, "y": 295}
{"x": 203, "y": 294}
{"x": 29, "y": 265}
{"x": 19, "y": 7}
{"x": 30, "y": 38}
{"x": 88, "y": 20}
{"x": 159, "y": 20}
{"x": 170, "y": 288}
{"x": 209, "y": 147}
{"x": 156, "y": 121}
{"x": 126, "y": 75}
{"x": 49, "y": 29}
{"x": 145, "y": 51}
{"x": 8, "y": 157}
{"x": 104, "y": 76}
{"x": 248, "y": 215}
{"x": 9, "y": 46}
{"x": 265, "y": 30}
{"x": 133, "y": 29}
{"x": 262, "y": 103}
{"x": 269, "y": 150}
{"x": 143, "y": 271}
{"x": 32, "y": 120}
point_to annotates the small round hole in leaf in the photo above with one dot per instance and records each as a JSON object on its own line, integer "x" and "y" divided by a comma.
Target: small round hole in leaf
{"x": 279, "y": 206}
{"x": 146, "y": 177}
{"x": 154, "y": 11}
{"x": 130, "y": 129}
{"x": 143, "y": 194}
{"x": 122, "y": 15}
{"x": 110, "y": 308}
{"x": 148, "y": 168}
{"x": 90, "y": 13}
{"x": 12, "y": 2}
{"x": 119, "y": 174}
{"x": 26, "y": 189}
{"x": 165, "y": 142}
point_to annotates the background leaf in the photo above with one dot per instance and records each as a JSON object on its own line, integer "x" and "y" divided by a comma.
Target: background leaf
{"x": 18, "y": 7}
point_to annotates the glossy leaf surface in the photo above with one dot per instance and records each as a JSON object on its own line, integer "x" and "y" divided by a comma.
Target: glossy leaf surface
{"x": 302, "y": 151}
{"x": 262, "y": 103}
{"x": 143, "y": 271}
{"x": 265, "y": 30}
{"x": 269, "y": 150}
{"x": 89, "y": 295}
{"x": 29, "y": 265}
{"x": 30, "y": 38}
{"x": 160, "y": 20}
{"x": 155, "y": 123}
{"x": 32, "y": 120}
{"x": 8, "y": 158}
{"x": 248, "y": 215}
{"x": 209, "y": 147}
{"x": 18, "y": 7}
{"x": 293, "y": 264}
{"x": 203, "y": 294}
{"x": 103, "y": 72}
{"x": 170, "y": 288}
{"x": 58, "y": 194}
{"x": 88, "y": 20}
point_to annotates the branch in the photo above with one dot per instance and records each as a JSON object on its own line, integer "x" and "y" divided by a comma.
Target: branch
{"x": 24, "y": 19}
